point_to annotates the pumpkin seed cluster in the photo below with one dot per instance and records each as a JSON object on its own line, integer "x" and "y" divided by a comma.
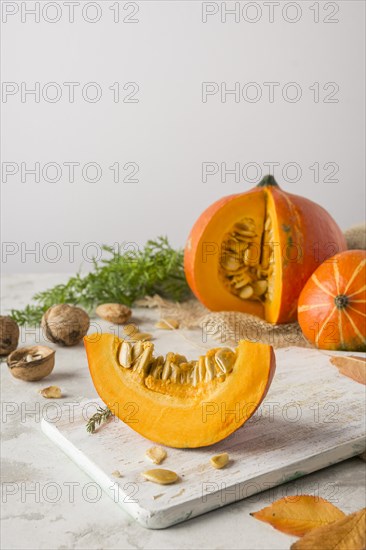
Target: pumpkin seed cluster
{"x": 247, "y": 263}
{"x": 175, "y": 368}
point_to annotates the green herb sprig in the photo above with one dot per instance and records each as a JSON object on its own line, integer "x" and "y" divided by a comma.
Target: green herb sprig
{"x": 123, "y": 277}
{"x": 98, "y": 418}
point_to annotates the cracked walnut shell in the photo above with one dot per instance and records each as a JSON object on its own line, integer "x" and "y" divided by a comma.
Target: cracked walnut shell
{"x": 31, "y": 363}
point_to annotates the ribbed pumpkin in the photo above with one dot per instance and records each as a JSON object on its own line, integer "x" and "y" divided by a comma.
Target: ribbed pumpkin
{"x": 332, "y": 304}
{"x": 253, "y": 252}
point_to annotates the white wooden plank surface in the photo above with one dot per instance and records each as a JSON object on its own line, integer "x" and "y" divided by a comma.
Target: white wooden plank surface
{"x": 312, "y": 417}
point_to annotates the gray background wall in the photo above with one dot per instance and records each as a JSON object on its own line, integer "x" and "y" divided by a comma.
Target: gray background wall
{"x": 163, "y": 127}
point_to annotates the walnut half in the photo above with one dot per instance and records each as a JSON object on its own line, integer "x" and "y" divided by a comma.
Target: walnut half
{"x": 31, "y": 363}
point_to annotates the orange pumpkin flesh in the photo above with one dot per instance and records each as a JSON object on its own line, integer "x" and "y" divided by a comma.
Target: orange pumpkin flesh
{"x": 332, "y": 304}
{"x": 180, "y": 414}
{"x": 301, "y": 235}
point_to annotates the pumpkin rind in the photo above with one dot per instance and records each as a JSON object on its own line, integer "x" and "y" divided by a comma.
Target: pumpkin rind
{"x": 304, "y": 235}
{"x": 332, "y": 304}
{"x": 193, "y": 417}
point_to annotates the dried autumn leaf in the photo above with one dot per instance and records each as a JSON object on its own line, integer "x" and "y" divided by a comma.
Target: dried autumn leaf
{"x": 298, "y": 517}
{"x": 351, "y": 366}
{"x": 348, "y": 533}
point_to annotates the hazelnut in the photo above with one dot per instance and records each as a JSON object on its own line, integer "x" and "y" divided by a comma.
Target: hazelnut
{"x": 65, "y": 324}
{"x": 9, "y": 335}
{"x": 31, "y": 363}
{"x": 114, "y": 313}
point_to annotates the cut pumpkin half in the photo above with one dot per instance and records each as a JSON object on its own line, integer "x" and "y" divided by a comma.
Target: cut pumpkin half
{"x": 254, "y": 251}
{"x": 176, "y": 402}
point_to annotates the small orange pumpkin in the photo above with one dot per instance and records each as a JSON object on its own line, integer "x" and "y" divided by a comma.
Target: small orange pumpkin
{"x": 253, "y": 252}
{"x": 332, "y": 304}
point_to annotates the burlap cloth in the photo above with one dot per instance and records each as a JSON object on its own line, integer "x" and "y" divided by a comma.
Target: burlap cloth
{"x": 228, "y": 327}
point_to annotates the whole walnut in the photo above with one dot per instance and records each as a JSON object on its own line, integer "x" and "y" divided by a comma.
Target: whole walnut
{"x": 9, "y": 335}
{"x": 65, "y": 324}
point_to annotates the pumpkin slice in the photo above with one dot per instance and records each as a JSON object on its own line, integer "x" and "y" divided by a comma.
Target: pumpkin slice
{"x": 176, "y": 402}
{"x": 253, "y": 252}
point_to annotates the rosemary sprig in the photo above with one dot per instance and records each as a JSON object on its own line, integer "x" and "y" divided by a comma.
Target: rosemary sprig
{"x": 123, "y": 277}
{"x": 98, "y": 418}
{"x": 30, "y": 315}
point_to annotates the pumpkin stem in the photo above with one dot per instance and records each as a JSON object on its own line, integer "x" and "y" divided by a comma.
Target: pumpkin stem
{"x": 341, "y": 301}
{"x": 268, "y": 181}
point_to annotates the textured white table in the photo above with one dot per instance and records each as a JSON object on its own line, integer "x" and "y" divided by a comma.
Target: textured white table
{"x": 47, "y": 502}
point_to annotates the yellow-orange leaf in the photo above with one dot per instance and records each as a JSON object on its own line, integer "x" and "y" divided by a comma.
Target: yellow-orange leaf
{"x": 352, "y": 366}
{"x": 299, "y": 515}
{"x": 348, "y": 533}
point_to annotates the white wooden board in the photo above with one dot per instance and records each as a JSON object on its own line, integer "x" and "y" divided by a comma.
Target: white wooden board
{"x": 312, "y": 417}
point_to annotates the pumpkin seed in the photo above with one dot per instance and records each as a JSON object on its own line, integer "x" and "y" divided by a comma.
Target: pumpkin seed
{"x": 157, "y": 367}
{"x": 185, "y": 371}
{"x": 167, "y": 324}
{"x": 246, "y": 292}
{"x": 246, "y": 224}
{"x": 175, "y": 374}
{"x": 156, "y": 454}
{"x": 219, "y": 461}
{"x": 225, "y": 359}
{"x": 166, "y": 369}
{"x": 210, "y": 368}
{"x": 161, "y": 476}
{"x": 201, "y": 368}
{"x": 243, "y": 281}
{"x": 130, "y": 329}
{"x": 183, "y": 376}
{"x": 166, "y": 372}
{"x": 178, "y": 359}
{"x": 234, "y": 246}
{"x": 158, "y": 370}
{"x": 125, "y": 355}
{"x": 266, "y": 253}
{"x": 137, "y": 350}
{"x": 52, "y": 392}
{"x": 194, "y": 375}
{"x": 143, "y": 336}
{"x": 251, "y": 256}
{"x": 241, "y": 226}
{"x": 144, "y": 362}
{"x": 231, "y": 263}
{"x": 260, "y": 287}
{"x": 244, "y": 231}
{"x": 243, "y": 241}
